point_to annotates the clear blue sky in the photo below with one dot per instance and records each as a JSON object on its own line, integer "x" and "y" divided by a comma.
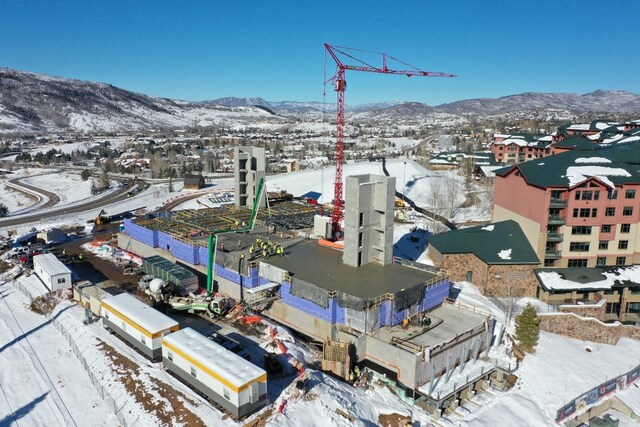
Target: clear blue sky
{"x": 198, "y": 50}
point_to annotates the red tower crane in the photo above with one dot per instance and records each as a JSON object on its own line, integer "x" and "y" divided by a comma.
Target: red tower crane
{"x": 340, "y": 85}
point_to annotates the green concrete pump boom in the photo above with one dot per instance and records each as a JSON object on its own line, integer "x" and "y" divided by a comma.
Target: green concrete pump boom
{"x": 213, "y": 237}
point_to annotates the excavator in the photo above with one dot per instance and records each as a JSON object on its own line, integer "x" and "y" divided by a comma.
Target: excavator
{"x": 210, "y": 303}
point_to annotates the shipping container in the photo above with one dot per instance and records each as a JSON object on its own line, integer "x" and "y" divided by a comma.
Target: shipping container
{"x": 137, "y": 323}
{"x": 237, "y": 385}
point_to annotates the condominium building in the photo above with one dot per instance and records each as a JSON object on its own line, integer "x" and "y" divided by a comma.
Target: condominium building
{"x": 578, "y": 208}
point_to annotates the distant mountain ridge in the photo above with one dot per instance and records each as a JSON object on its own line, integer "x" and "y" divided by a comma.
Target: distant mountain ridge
{"x": 612, "y": 101}
{"x": 31, "y": 102}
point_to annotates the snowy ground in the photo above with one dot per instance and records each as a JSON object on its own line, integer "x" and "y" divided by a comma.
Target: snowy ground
{"x": 15, "y": 200}
{"x": 42, "y": 382}
{"x": 68, "y": 186}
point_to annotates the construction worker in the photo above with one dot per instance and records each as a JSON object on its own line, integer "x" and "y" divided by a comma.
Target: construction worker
{"x": 405, "y": 323}
{"x": 264, "y": 253}
{"x": 237, "y": 223}
{"x": 357, "y": 372}
{"x": 251, "y": 250}
{"x": 239, "y": 244}
{"x": 280, "y": 251}
{"x": 258, "y": 241}
{"x": 222, "y": 247}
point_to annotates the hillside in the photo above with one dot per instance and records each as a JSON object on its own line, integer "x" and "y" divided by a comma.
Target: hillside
{"x": 32, "y": 102}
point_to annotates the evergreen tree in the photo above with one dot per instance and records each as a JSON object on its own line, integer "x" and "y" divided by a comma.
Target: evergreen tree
{"x": 85, "y": 174}
{"x": 527, "y": 328}
{"x": 4, "y": 210}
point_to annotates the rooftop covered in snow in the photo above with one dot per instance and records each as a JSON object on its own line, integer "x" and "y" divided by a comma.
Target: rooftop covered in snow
{"x": 140, "y": 313}
{"x": 613, "y": 165}
{"x": 215, "y": 357}
{"x": 576, "y": 279}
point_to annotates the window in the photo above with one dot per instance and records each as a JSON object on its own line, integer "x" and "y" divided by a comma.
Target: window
{"x": 142, "y": 340}
{"x": 359, "y": 240}
{"x": 630, "y": 194}
{"x": 581, "y": 230}
{"x": 623, "y": 244}
{"x": 594, "y": 213}
{"x": 612, "y": 194}
{"x": 106, "y": 314}
{"x": 578, "y": 246}
{"x": 227, "y": 393}
{"x": 194, "y": 374}
{"x": 625, "y": 228}
{"x": 585, "y": 212}
{"x": 621, "y": 260}
{"x": 577, "y": 195}
{"x": 601, "y": 261}
{"x": 549, "y": 262}
{"x": 577, "y": 263}
{"x": 575, "y": 212}
{"x": 596, "y": 195}
{"x": 361, "y": 219}
{"x": 612, "y": 308}
{"x": 603, "y": 244}
{"x": 635, "y": 291}
{"x": 610, "y": 212}
{"x": 61, "y": 280}
{"x": 606, "y": 228}
{"x": 609, "y": 292}
{"x": 627, "y": 211}
{"x": 170, "y": 356}
{"x": 587, "y": 195}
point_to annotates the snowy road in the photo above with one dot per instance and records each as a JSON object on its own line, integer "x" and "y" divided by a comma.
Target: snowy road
{"x": 41, "y": 381}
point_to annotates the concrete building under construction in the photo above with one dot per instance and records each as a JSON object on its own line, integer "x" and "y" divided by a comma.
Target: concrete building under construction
{"x": 395, "y": 317}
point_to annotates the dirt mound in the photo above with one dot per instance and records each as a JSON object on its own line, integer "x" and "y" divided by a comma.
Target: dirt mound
{"x": 394, "y": 420}
{"x": 170, "y": 408}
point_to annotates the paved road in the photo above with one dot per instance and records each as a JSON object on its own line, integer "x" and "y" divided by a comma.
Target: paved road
{"x": 118, "y": 195}
{"x": 54, "y": 199}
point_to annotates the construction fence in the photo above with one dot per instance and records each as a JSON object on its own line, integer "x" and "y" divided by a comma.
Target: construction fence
{"x": 118, "y": 410}
{"x": 598, "y": 393}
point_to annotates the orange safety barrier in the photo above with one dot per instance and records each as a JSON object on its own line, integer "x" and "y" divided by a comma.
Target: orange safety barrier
{"x": 333, "y": 245}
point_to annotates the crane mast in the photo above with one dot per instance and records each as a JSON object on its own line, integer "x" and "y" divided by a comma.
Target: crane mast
{"x": 340, "y": 85}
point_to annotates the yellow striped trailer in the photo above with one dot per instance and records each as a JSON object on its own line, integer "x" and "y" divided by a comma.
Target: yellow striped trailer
{"x": 138, "y": 324}
{"x": 227, "y": 379}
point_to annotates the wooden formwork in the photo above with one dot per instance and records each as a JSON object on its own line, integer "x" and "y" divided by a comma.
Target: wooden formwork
{"x": 336, "y": 358}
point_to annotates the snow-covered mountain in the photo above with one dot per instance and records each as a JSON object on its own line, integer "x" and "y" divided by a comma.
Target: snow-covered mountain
{"x": 612, "y": 101}
{"x": 31, "y": 102}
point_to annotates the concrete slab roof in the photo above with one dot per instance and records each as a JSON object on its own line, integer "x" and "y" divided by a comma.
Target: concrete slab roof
{"x": 449, "y": 322}
{"x": 324, "y": 268}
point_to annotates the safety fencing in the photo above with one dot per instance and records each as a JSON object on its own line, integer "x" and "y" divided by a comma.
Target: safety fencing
{"x": 118, "y": 410}
{"x": 598, "y": 393}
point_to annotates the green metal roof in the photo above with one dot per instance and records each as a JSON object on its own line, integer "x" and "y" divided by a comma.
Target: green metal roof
{"x": 576, "y": 142}
{"x": 498, "y": 243}
{"x": 552, "y": 171}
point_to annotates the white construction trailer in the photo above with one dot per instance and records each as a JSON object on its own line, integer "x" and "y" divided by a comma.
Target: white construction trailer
{"x": 237, "y": 385}
{"x": 137, "y": 323}
{"x": 53, "y": 273}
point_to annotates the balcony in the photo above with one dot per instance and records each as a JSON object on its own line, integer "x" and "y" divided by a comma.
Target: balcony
{"x": 554, "y": 237}
{"x": 556, "y": 202}
{"x": 556, "y": 220}
{"x": 551, "y": 254}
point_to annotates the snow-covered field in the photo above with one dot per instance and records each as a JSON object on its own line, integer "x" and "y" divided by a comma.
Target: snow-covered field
{"x": 68, "y": 186}
{"x": 13, "y": 199}
{"x": 42, "y": 382}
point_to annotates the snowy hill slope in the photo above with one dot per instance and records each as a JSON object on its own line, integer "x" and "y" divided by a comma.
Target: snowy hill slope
{"x": 34, "y": 102}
